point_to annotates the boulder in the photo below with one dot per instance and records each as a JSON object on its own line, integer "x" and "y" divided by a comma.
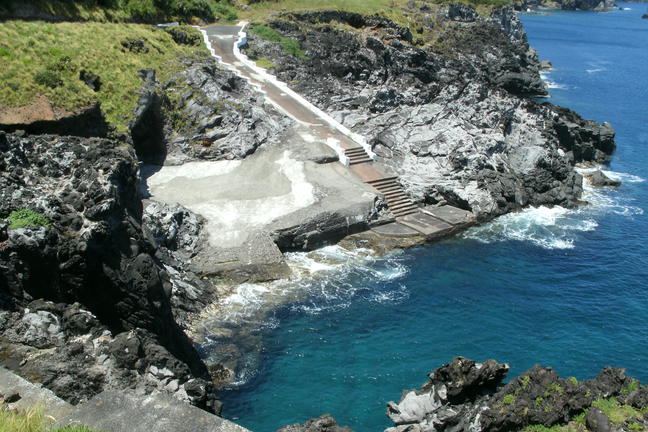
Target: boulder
{"x": 597, "y": 421}
{"x": 598, "y": 179}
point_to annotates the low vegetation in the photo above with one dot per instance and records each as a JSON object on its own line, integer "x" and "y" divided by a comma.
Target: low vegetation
{"x": 290, "y": 46}
{"x": 27, "y": 218}
{"x": 32, "y": 420}
{"x": 392, "y": 9}
{"x": 47, "y": 59}
{"x": 148, "y": 11}
{"x": 619, "y": 415}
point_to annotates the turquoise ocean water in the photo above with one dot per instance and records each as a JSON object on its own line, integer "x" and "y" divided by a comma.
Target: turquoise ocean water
{"x": 551, "y": 286}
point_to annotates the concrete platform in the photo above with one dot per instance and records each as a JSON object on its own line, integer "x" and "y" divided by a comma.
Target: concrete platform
{"x": 427, "y": 225}
{"x": 113, "y": 411}
{"x": 451, "y": 215}
{"x": 395, "y": 229}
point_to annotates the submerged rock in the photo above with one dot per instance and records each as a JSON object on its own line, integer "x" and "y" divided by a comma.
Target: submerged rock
{"x": 324, "y": 423}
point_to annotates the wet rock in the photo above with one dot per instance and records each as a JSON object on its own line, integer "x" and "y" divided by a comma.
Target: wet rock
{"x": 324, "y": 423}
{"x": 598, "y": 179}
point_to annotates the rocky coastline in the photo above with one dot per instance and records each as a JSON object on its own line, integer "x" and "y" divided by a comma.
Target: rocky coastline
{"x": 464, "y": 395}
{"x": 99, "y": 295}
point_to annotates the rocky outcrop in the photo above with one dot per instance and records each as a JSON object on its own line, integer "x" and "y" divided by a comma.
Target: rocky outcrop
{"x": 86, "y": 304}
{"x": 468, "y": 396}
{"x": 212, "y": 114}
{"x": 598, "y": 179}
{"x": 446, "y": 113}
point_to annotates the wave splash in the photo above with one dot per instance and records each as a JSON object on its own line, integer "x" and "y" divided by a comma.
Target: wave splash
{"x": 558, "y": 227}
{"x": 231, "y": 331}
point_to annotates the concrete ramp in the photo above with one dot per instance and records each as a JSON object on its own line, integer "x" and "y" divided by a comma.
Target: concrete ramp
{"x": 113, "y": 411}
{"x": 22, "y": 394}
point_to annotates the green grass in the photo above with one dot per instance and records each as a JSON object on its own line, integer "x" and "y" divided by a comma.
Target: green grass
{"x": 633, "y": 386}
{"x": 265, "y": 63}
{"x": 44, "y": 59}
{"x": 617, "y": 413}
{"x": 32, "y": 420}
{"x": 392, "y": 9}
{"x": 27, "y": 218}
{"x": 150, "y": 11}
{"x": 290, "y": 46}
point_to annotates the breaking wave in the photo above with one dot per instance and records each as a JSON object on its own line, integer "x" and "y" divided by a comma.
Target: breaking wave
{"x": 558, "y": 227}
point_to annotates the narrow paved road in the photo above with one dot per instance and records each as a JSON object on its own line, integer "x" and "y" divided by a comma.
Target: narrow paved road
{"x": 223, "y": 38}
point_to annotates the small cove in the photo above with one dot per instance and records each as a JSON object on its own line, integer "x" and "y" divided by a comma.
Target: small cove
{"x": 565, "y": 288}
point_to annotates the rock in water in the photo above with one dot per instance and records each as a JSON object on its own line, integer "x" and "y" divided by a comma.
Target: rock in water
{"x": 597, "y": 178}
{"x": 324, "y": 423}
{"x": 468, "y": 396}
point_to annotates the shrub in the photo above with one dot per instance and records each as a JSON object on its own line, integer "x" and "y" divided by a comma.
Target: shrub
{"x": 48, "y": 78}
{"x": 27, "y": 218}
{"x": 508, "y": 399}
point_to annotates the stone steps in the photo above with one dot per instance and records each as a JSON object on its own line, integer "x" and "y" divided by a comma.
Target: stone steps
{"x": 399, "y": 203}
{"x": 357, "y": 155}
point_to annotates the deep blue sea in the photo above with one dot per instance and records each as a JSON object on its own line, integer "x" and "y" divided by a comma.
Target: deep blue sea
{"x": 562, "y": 288}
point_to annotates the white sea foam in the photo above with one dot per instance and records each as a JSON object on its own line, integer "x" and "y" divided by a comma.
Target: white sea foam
{"x": 546, "y": 77}
{"x": 558, "y": 227}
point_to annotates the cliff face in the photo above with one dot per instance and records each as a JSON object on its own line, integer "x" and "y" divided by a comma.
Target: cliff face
{"x": 87, "y": 283}
{"x": 448, "y": 111}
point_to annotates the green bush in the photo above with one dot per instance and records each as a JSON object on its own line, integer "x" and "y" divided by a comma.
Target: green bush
{"x": 27, "y": 218}
{"x": 48, "y": 78}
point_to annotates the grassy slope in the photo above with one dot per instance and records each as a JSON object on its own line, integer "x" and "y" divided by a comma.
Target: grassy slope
{"x": 149, "y": 11}
{"x": 392, "y": 9}
{"x": 30, "y": 48}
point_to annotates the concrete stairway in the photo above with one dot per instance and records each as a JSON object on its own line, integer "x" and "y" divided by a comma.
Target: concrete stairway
{"x": 399, "y": 203}
{"x": 357, "y": 155}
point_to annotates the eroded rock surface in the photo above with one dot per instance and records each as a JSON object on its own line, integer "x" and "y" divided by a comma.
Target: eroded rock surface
{"x": 448, "y": 113}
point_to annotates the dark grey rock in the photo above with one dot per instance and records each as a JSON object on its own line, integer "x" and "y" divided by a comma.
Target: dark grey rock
{"x": 597, "y": 421}
{"x": 598, "y": 179}
{"x": 87, "y": 306}
{"x": 91, "y": 80}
